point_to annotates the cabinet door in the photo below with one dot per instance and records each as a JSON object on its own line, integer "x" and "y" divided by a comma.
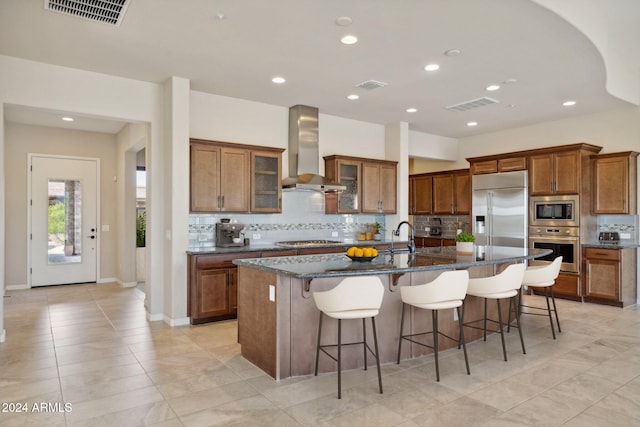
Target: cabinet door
{"x": 443, "y": 194}
{"x": 349, "y": 175}
{"x": 205, "y": 178}
{"x": 370, "y": 188}
{"x": 566, "y": 168}
{"x": 212, "y": 293}
{"x": 462, "y": 188}
{"x": 602, "y": 279}
{"x": 611, "y": 186}
{"x": 234, "y": 180}
{"x": 421, "y": 195}
{"x": 266, "y": 188}
{"x": 388, "y": 189}
{"x": 541, "y": 174}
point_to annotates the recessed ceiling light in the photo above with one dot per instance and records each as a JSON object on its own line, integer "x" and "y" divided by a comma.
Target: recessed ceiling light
{"x": 220, "y": 16}
{"x": 472, "y": 123}
{"x": 67, "y": 119}
{"x": 344, "y": 21}
{"x": 569, "y": 103}
{"x": 353, "y": 97}
{"x": 278, "y": 80}
{"x": 453, "y": 52}
{"x": 349, "y": 39}
{"x": 432, "y": 67}
{"x": 412, "y": 110}
{"x": 491, "y": 88}
{"x": 509, "y": 81}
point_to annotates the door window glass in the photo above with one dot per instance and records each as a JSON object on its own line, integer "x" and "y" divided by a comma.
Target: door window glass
{"x": 64, "y": 222}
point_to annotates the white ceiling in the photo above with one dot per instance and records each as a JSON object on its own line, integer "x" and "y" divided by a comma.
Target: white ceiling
{"x": 299, "y": 39}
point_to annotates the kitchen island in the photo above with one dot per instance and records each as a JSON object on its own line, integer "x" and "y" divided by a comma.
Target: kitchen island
{"x": 278, "y": 319}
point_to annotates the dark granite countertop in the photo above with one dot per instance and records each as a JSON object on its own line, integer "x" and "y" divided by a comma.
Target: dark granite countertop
{"x": 438, "y": 258}
{"x": 623, "y": 244}
{"x": 275, "y": 247}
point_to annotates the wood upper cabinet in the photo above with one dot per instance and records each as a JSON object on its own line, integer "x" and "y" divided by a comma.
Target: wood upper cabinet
{"x": 266, "y": 188}
{"x": 615, "y": 182}
{"x": 348, "y": 173}
{"x": 371, "y": 185}
{"x": 219, "y": 179}
{"x": 228, "y": 177}
{"x": 452, "y": 192}
{"x": 420, "y": 197}
{"x": 555, "y": 173}
{"x": 495, "y": 165}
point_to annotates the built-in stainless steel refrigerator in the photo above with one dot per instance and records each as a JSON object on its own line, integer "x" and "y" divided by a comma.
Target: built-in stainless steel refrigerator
{"x": 500, "y": 209}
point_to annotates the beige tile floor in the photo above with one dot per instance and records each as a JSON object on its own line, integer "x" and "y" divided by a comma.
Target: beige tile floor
{"x": 90, "y": 347}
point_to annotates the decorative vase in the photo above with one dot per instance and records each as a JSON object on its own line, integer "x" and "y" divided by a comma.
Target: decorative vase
{"x": 464, "y": 248}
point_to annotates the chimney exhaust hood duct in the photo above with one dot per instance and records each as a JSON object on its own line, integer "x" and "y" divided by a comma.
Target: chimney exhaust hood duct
{"x": 304, "y": 157}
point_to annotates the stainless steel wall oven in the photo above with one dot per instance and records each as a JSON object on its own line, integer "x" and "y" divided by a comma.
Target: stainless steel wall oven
{"x": 563, "y": 241}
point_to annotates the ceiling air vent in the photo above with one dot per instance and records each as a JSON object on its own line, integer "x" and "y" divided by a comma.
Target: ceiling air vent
{"x": 371, "y": 84}
{"x": 107, "y": 11}
{"x": 474, "y": 103}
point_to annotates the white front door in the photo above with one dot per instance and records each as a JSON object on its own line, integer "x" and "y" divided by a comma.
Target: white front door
{"x": 64, "y": 234}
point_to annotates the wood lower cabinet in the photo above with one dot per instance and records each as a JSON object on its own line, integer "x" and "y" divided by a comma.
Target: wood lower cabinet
{"x": 609, "y": 276}
{"x": 433, "y": 242}
{"x": 567, "y": 286}
{"x": 615, "y": 183}
{"x": 212, "y": 287}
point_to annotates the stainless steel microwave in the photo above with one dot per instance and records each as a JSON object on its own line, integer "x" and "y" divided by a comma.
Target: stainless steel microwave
{"x": 554, "y": 211}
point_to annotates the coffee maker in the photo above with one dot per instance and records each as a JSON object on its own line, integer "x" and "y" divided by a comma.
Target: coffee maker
{"x": 228, "y": 234}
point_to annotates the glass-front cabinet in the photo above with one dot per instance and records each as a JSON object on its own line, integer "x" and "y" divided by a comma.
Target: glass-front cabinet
{"x": 266, "y": 194}
{"x": 348, "y": 173}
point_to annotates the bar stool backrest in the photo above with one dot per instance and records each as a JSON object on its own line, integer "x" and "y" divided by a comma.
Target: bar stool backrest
{"x": 448, "y": 286}
{"x": 545, "y": 275}
{"x": 353, "y": 297}
{"x": 510, "y": 279}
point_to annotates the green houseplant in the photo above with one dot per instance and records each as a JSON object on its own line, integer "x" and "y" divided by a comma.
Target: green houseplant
{"x": 464, "y": 243}
{"x": 141, "y": 230}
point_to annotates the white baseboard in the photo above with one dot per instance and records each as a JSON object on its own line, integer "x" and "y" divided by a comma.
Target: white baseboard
{"x": 108, "y": 280}
{"x": 17, "y": 287}
{"x": 176, "y": 322}
{"x": 155, "y": 317}
{"x": 128, "y": 284}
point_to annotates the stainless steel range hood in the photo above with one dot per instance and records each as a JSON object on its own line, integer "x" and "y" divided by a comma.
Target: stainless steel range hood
{"x": 304, "y": 157}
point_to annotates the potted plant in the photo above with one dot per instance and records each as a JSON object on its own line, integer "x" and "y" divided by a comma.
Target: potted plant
{"x": 379, "y": 227}
{"x": 464, "y": 243}
{"x": 141, "y": 242}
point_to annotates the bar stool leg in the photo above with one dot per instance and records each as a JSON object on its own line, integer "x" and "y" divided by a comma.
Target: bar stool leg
{"x": 485, "y": 319}
{"x": 504, "y": 347}
{"x": 553, "y": 298}
{"x": 434, "y": 320}
{"x": 520, "y": 332}
{"x": 401, "y": 329}
{"x": 318, "y": 345}
{"x": 375, "y": 344}
{"x": 364, "y": 342}
{"x": 339, "y": 358}
{"x": 546, "y": 296}
{"x": 461, "y": 337}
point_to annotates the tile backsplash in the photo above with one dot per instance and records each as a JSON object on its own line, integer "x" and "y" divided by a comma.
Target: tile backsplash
{"x": 448, "y": 223}
{"x": 625, "y": 225}
{"x": 302, "y": 218}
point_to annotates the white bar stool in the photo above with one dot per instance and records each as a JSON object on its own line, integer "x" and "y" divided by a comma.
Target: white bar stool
{"x": 354, "y": 298}
{"x": 446, "y": 291}
{"x": 543, "y": 276}
{"x": 504, "y": 285}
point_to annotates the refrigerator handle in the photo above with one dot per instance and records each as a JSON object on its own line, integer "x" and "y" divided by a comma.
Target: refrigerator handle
{"x": 489, "y": 224}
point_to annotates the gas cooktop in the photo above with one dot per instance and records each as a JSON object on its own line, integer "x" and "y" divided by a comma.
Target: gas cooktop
{"x": 298, "y": 243}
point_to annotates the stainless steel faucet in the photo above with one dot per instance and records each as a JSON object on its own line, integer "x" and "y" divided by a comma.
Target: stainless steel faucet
{"x": 412, "y": 243}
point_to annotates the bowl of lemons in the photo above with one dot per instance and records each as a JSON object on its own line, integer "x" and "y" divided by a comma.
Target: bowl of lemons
{"x": 362, "y": 254}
